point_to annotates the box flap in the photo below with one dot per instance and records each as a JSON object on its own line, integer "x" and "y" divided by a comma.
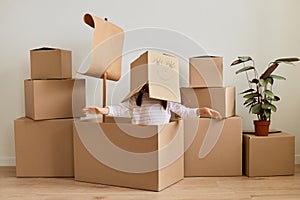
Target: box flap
{"x": 106, "y": 48}
{"x": 133, "y": 92}
{"x": 44, "y": 49}
{"x": 207, "y": 56}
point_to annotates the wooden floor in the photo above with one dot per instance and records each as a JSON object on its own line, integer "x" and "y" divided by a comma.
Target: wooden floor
{"x": 206, "y": 188}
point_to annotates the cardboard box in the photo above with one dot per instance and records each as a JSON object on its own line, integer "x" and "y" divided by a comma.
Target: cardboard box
{"x": 122, "y": 154}
{"x": 212, "y": 147}
{"x": 160, "y": 71}
{"x": 50, "y": 99}
{"x": 47, "y": 63}
{"x": 220, "y": 99}
{"x": 269, "y": 155}
{"x": 44, "y": 148}
{"x": 206, "y": 71}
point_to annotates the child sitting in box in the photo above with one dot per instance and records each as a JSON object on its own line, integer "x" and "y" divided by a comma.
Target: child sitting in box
{"x": 149, "y": 111}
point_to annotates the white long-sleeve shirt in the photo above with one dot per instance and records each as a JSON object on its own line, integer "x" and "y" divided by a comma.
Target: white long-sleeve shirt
{"x": 151, "y": 112}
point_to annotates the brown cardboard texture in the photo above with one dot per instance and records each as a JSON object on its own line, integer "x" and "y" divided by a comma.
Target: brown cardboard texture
{"x": 160, "y": 71}
{"x": 269, "y": 156}
{"x": 206, "y": 71}
{"x": 221, "y": 99}
{"x": 213, "y": 147}
{"x": 51, "y": 99}
{"x": 106, "y": 48}
{"x": 47, "y": 63}
{"x": 122, "y": 154}
{"x": 44, "y": 148}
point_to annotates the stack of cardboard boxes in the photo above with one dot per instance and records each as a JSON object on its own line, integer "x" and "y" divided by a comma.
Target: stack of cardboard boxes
{"x": 44, "y": 137}
{"x": 51, "y": 143}
{"x": 212, "y": 147}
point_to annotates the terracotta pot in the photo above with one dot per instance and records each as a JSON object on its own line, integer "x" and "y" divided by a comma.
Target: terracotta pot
{"x": 261, "y": 128}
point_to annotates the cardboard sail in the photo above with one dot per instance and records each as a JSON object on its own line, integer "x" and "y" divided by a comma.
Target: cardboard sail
{"x": 106, "y": 49}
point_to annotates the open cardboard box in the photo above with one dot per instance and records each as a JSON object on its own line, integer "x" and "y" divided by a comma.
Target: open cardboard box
{"x": 213, "y": 147}
{"x": 121, "y": 154}
{"x": 44, "y": 148}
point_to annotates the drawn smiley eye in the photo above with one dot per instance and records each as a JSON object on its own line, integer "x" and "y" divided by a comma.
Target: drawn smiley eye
{"x": 165, "y": 73}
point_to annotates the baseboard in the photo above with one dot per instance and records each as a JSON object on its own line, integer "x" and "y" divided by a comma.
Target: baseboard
{"x": 297, "y": 159}
{"x": 7, "y": 161}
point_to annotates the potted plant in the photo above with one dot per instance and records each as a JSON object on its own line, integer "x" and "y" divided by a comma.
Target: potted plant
{"x": 259, "y": 97}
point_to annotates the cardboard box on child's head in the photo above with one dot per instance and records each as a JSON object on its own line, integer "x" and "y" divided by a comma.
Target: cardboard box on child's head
{"x": 160, "y": 71}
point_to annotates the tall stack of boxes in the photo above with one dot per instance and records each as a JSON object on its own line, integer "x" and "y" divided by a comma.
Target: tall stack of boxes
{"x": 212, "y": 147}
{"x": 44, "y": 137}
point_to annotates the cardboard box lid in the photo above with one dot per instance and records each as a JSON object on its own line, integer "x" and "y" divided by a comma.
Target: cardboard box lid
{"x": 47, "y": 49}
{"x": 206, "y": 56}
{"x": 274, "y": 135}
{"x": 253, "y": 131}
{"x": 160, "y": 71}
{"x": 106, "y": 48}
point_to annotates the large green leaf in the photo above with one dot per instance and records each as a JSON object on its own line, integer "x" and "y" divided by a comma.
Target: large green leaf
{"x": 256, "y": 109}
{"x": 247, "y": 91}
{"x": 270, "y": 80}
{"x": 244, "y": 69}
{"x": 269, "y": 93}
{"x": 277, "y": 77}
{"x": 273, "y": 107}
{"x": 244, "y": 58}
{"x": 287, "y": 60}
{"x": 250, "y": 100}
{"x": 254, "y": 81}
{"x": 265, "y": 106}
{"x": 276, "y": 98}
{"x": 241, "y": 59}
{"x": 263, "y": 82}
{"x": 247, "y": 96}
{"x": 267, "y": 113}
{"x": 269, "y": 71}
{"x": 250, "y": 104}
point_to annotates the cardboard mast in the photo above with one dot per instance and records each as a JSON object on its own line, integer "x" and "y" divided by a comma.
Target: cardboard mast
{"x": 106, "y": 51}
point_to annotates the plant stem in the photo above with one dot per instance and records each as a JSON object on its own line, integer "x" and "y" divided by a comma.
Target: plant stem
{"x": 264, "y": 100}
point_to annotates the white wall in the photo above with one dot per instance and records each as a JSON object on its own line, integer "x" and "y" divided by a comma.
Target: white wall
{"x": 263, "y": 29}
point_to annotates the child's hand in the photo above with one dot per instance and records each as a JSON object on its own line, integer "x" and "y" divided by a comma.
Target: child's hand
{"x": 95, "y": 110}
{"x": 210, "y": 112}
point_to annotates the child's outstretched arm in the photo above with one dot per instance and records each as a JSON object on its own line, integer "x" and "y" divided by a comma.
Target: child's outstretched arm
{"x": 116, "y": 110}
{"x": 95, "y": 110}
{"x": 185, "y": 112}
{"x": 209, "y": 112}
